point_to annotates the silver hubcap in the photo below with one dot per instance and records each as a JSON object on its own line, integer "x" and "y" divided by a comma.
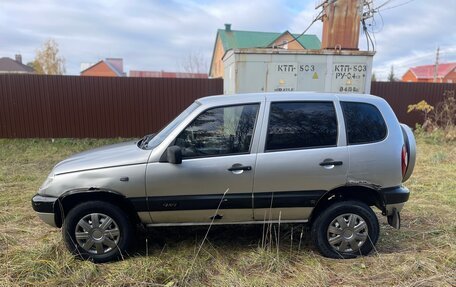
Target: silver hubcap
{"x": 97, "y": 233}
{"x": 347, "y": 232}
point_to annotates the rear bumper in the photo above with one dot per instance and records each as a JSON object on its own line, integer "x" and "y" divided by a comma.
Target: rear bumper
{"x": 394, "y": 198}
{"x": 44, "y": 207}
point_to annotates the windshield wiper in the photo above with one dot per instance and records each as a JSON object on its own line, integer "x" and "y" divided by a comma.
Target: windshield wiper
{"x": 145, "y": 140}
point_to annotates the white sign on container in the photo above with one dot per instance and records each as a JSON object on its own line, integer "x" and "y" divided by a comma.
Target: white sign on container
{"x": 349, "y": 78}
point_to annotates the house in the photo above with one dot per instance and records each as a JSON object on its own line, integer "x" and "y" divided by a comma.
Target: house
{"x": 446, "y": 73}
{"x": 110, "y": 67}
{"x": 163, "y": 74}
{"x": 227, "y": 39}
{"x": 10, "y": 66}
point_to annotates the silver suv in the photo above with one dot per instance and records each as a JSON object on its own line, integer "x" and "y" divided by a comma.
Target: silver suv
{"x": 324, "y": 159}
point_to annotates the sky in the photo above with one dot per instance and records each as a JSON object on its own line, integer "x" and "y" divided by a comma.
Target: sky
{"x": 160, "y": 35}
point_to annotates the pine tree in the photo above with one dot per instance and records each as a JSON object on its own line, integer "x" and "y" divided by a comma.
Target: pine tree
{"x": 391, "y": 75}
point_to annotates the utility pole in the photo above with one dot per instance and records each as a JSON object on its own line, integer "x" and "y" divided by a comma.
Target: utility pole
{"x": 436, "y": 65}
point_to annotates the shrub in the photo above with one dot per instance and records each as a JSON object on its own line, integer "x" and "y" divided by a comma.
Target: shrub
{"x": 438, "y": 119}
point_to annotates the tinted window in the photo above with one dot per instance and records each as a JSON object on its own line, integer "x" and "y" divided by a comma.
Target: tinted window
{"x": 219, "y": 131}
{"x": 364, "y": 123}
{"x": 295, "y": 125}
{"x": 156, "y": 140}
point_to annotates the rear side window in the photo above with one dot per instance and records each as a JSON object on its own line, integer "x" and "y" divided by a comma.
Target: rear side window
{"x": 296, "y": 125}
{"x": 364, "y": 123}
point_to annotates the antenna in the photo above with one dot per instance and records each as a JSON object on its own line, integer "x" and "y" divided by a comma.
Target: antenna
{"x": 436, "y": 65}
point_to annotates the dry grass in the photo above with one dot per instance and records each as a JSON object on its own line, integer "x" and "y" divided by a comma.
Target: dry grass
{"x": 422, "y": 253}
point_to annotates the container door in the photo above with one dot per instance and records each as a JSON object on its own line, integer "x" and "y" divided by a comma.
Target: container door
{"x": 282, "y": 77}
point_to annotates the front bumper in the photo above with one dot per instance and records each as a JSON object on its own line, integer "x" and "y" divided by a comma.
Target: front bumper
{"x": 44, "y": 207}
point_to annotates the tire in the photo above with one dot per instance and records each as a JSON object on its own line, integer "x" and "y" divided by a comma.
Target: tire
{"x": 106, "y": 241}
{"x": 357, "y": 236}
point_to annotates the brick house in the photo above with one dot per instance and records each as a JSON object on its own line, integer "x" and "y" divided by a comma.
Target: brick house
{"x": 446, "y": 74}
{"x": 110, "y": 67}
{"x": 227, "y": 39}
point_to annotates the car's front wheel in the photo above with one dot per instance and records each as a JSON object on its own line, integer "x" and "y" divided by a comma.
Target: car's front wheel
{"x": 98, "y": 231}
{"x": 345, "y": 230}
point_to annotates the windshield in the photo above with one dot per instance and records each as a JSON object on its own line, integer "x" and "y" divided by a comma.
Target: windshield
{"x": 158, "y": 138}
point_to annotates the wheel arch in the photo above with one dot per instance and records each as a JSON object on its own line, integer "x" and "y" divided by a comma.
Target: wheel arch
{"x": 367, "y": 195}
{"x": 71, "y": 198}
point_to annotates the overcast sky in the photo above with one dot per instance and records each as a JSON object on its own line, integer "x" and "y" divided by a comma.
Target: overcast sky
{"x": 158, "y": 35}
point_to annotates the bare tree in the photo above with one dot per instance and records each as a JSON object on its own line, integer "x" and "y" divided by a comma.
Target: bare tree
{"x": 195, "y": 62}
{"x": 47, "y": 59}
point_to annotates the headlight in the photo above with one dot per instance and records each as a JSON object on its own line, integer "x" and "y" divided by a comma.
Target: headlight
{"x": 47, "y": 182}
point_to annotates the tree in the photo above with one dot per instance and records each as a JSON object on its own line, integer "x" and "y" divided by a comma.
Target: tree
{"x": 374, "y": 77}
{"x": 38, "y": 69}
{"x": 47, "y": 59}
{"x": 195, "y": 62}
{"x": 391, "y": 75}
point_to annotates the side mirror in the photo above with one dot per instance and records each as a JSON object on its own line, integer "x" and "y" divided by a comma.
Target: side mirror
{"x": 174, "y": 154}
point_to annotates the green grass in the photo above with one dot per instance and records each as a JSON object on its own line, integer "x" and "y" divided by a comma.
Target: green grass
{"x": 422, "y": 253}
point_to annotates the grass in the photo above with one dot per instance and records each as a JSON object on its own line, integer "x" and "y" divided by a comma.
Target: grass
{"x": 422, "y": 253}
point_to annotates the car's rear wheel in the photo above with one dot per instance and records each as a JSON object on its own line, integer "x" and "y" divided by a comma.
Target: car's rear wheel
{"x": 98, "y": 231}
{"x": 345, "y": 230}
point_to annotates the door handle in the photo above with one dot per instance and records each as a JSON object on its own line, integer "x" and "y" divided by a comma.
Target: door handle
{"x": 326, "y": 163}
{"x": 240, "y": 167}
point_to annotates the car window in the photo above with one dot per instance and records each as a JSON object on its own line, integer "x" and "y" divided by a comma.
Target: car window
{"x": 157, "y": 139}
{"x": 295, "y": 125}
{"x": 364, "y": 123}
{"x": 219, "y": 131}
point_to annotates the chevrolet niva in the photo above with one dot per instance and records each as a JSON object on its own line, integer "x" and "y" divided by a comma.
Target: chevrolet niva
{"x": 322, "y": 159}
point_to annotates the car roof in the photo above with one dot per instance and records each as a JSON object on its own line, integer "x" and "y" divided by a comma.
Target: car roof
{"x": 284, "y": 96}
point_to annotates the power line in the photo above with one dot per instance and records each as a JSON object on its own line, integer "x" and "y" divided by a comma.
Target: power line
{"x": 370, "y": 13}
{"x": 384, "y": 3}
{"x": 399, "y": 5}
{"x": 308, "y": 27}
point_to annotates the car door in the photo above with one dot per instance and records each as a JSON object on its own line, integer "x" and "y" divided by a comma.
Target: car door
{"x": 216, "y": 170}
{"x": 304, "y": 155}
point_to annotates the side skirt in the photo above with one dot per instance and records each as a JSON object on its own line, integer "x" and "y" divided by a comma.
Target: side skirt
{"x": 227, "y": 223}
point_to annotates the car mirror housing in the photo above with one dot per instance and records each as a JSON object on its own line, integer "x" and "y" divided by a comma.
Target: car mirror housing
{"x": 174, "y": 154}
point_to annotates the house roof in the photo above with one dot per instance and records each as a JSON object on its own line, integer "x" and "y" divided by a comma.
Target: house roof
{"x": 234, "y": 39}
{"x": 111, "y": 65}
{"x": 10, "y": 65}
{"x": 114, "y": 69}
{"x": 427, "y": 71}
{"x": 251, "y": 39}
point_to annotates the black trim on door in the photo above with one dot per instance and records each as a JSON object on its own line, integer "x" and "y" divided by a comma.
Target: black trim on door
{"x": 287, "y": 199}
{"x": 230, "y": 201}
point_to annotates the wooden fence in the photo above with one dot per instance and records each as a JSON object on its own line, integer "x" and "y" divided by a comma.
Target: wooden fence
{"x": 34, "y": 106}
